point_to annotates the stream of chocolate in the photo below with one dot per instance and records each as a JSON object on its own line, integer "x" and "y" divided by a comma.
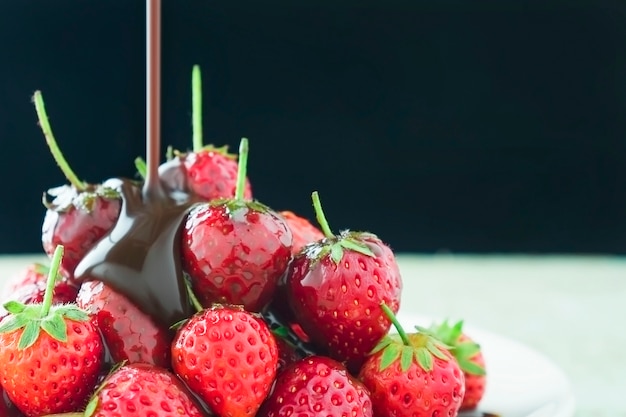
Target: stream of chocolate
{"x": 140, "y": 257}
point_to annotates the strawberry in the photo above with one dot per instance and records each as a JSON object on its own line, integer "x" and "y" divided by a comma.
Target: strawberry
{"x": 143, "y": 390}
{"x": 413, "y": 375}
{"x": 53, "y": 371}
{"x": 235, "y": 250}
{"x": 228, "y": 357}
{"x": 80, "y": 213}
{"x": 335, "y": 287}
{"x": 29, "y": 285}
{"x": 470, "y": 359}
{"x": 317, "y": 386}
{"x": 130, "y": 334}
{"x": 7, "y": 408}
{"x": 209, "y": 172}
{"x": 302, "y": 230}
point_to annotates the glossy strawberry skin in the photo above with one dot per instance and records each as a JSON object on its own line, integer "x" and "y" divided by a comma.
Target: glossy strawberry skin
{"x": 51, "y": 376}
{"x": 416, "y": 392}
{"x": 228, "y": 357}
{"x": 77, "y": 220}
{"x": 338, "y": 304}
{"x": 302, "y": 230}
{"x": 130, "y": 334}
{"x": 212, "y": 174}
{"x": 235, "y": 254}
{"x": 145, "y": 390}
{"x": 317, "y": 386}
{"x": 29, "y": 285}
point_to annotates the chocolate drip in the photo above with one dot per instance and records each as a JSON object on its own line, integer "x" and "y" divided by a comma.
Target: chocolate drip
{"x": 140, "y": 257}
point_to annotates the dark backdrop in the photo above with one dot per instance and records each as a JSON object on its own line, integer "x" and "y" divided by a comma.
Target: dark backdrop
{"x": 470, "y": 126}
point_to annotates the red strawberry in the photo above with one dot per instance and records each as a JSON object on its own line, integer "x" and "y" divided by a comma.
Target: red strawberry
{"x": 317, "y": 387}
{"x": 80, "y": 214}
{"x": 130, "y": 334}
{"x": 302, "y": 230}
{"x": 7, "y": 408}
{"x": 228, "y": 357}
{"x": 143, "y": 390}
{"x": 335, "y": 288}
{"x": 54, "y": 370}
{"x": 413, "y": 375}
{"x": 470, "y": 359}
{"x": 29, "y": 285}
{"x": 208, "y": 172}
{"x": 235, "y": 250}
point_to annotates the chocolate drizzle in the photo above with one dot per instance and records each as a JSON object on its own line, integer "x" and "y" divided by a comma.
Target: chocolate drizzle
{"x": 140, "y": 257}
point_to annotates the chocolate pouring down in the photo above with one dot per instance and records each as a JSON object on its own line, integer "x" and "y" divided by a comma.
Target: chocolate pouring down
{"x": 140, "y": 257}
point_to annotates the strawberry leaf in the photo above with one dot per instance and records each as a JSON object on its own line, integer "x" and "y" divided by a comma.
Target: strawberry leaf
{"x": 466, "y": 349}
{"x": 472, "y": 368}
{"x": 42, "y": 269}
{"x": 29, "y": 335}
{"x": 356, "y": 246}
{"x": 12, "y": 323}
{"x": 406, "y": 358}
{"x": 91, "y": 406}
{"x": 434, "y": 350}
{"x": 390, "y": 355}
{"x": 424, "y": 358}
{"x": 336, "y": 252}
{"x": 385, "y": 341}
{"x": 55, "y": 326}
{"x": 71, "y": 312}
{"x": 281, "y": 331}
{"x": 14, "y": 307}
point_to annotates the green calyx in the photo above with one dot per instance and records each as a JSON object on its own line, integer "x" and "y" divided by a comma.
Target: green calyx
{"x": 463, "y": 350}
{"x": 44, "y": 123}
{"x": 67, "y": 197}
{"x": 33, "y": 318}
{"x": 419, "y": 348}
{"x": 334, "y": 245}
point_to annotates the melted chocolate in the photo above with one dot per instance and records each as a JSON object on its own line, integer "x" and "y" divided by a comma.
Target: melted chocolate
{"x": 140, "y": 257}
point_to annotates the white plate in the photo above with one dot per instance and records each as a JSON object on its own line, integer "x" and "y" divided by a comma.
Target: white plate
{"x": 521, "y": 382}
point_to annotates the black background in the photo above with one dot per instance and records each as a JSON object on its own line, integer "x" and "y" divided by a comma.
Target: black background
{"x": 468, "y": 126}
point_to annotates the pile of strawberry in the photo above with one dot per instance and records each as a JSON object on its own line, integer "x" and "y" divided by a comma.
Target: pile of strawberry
{"x": 291, "y": 320}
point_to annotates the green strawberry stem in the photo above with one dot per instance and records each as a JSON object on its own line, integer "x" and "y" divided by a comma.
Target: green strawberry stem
{"x": 33, "y": 318}
{"x": 242, "y": 168}
{"x": 52, "y": 274}
{"x": 396, "y": 324}
{"x": 141, "y": 167}
{"x": 196, "y": 107}
{"x": 319, "y": 215}
{"x": 194, "y": 300}
{"x": 44, "y": 123}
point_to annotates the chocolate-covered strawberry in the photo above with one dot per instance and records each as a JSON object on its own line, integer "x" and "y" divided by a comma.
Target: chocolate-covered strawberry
{"x": 235, "y": 249}
{"x": 335, "y": 288}
{"x": 80, "y": 214}
{"x": 207, "y": 171}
